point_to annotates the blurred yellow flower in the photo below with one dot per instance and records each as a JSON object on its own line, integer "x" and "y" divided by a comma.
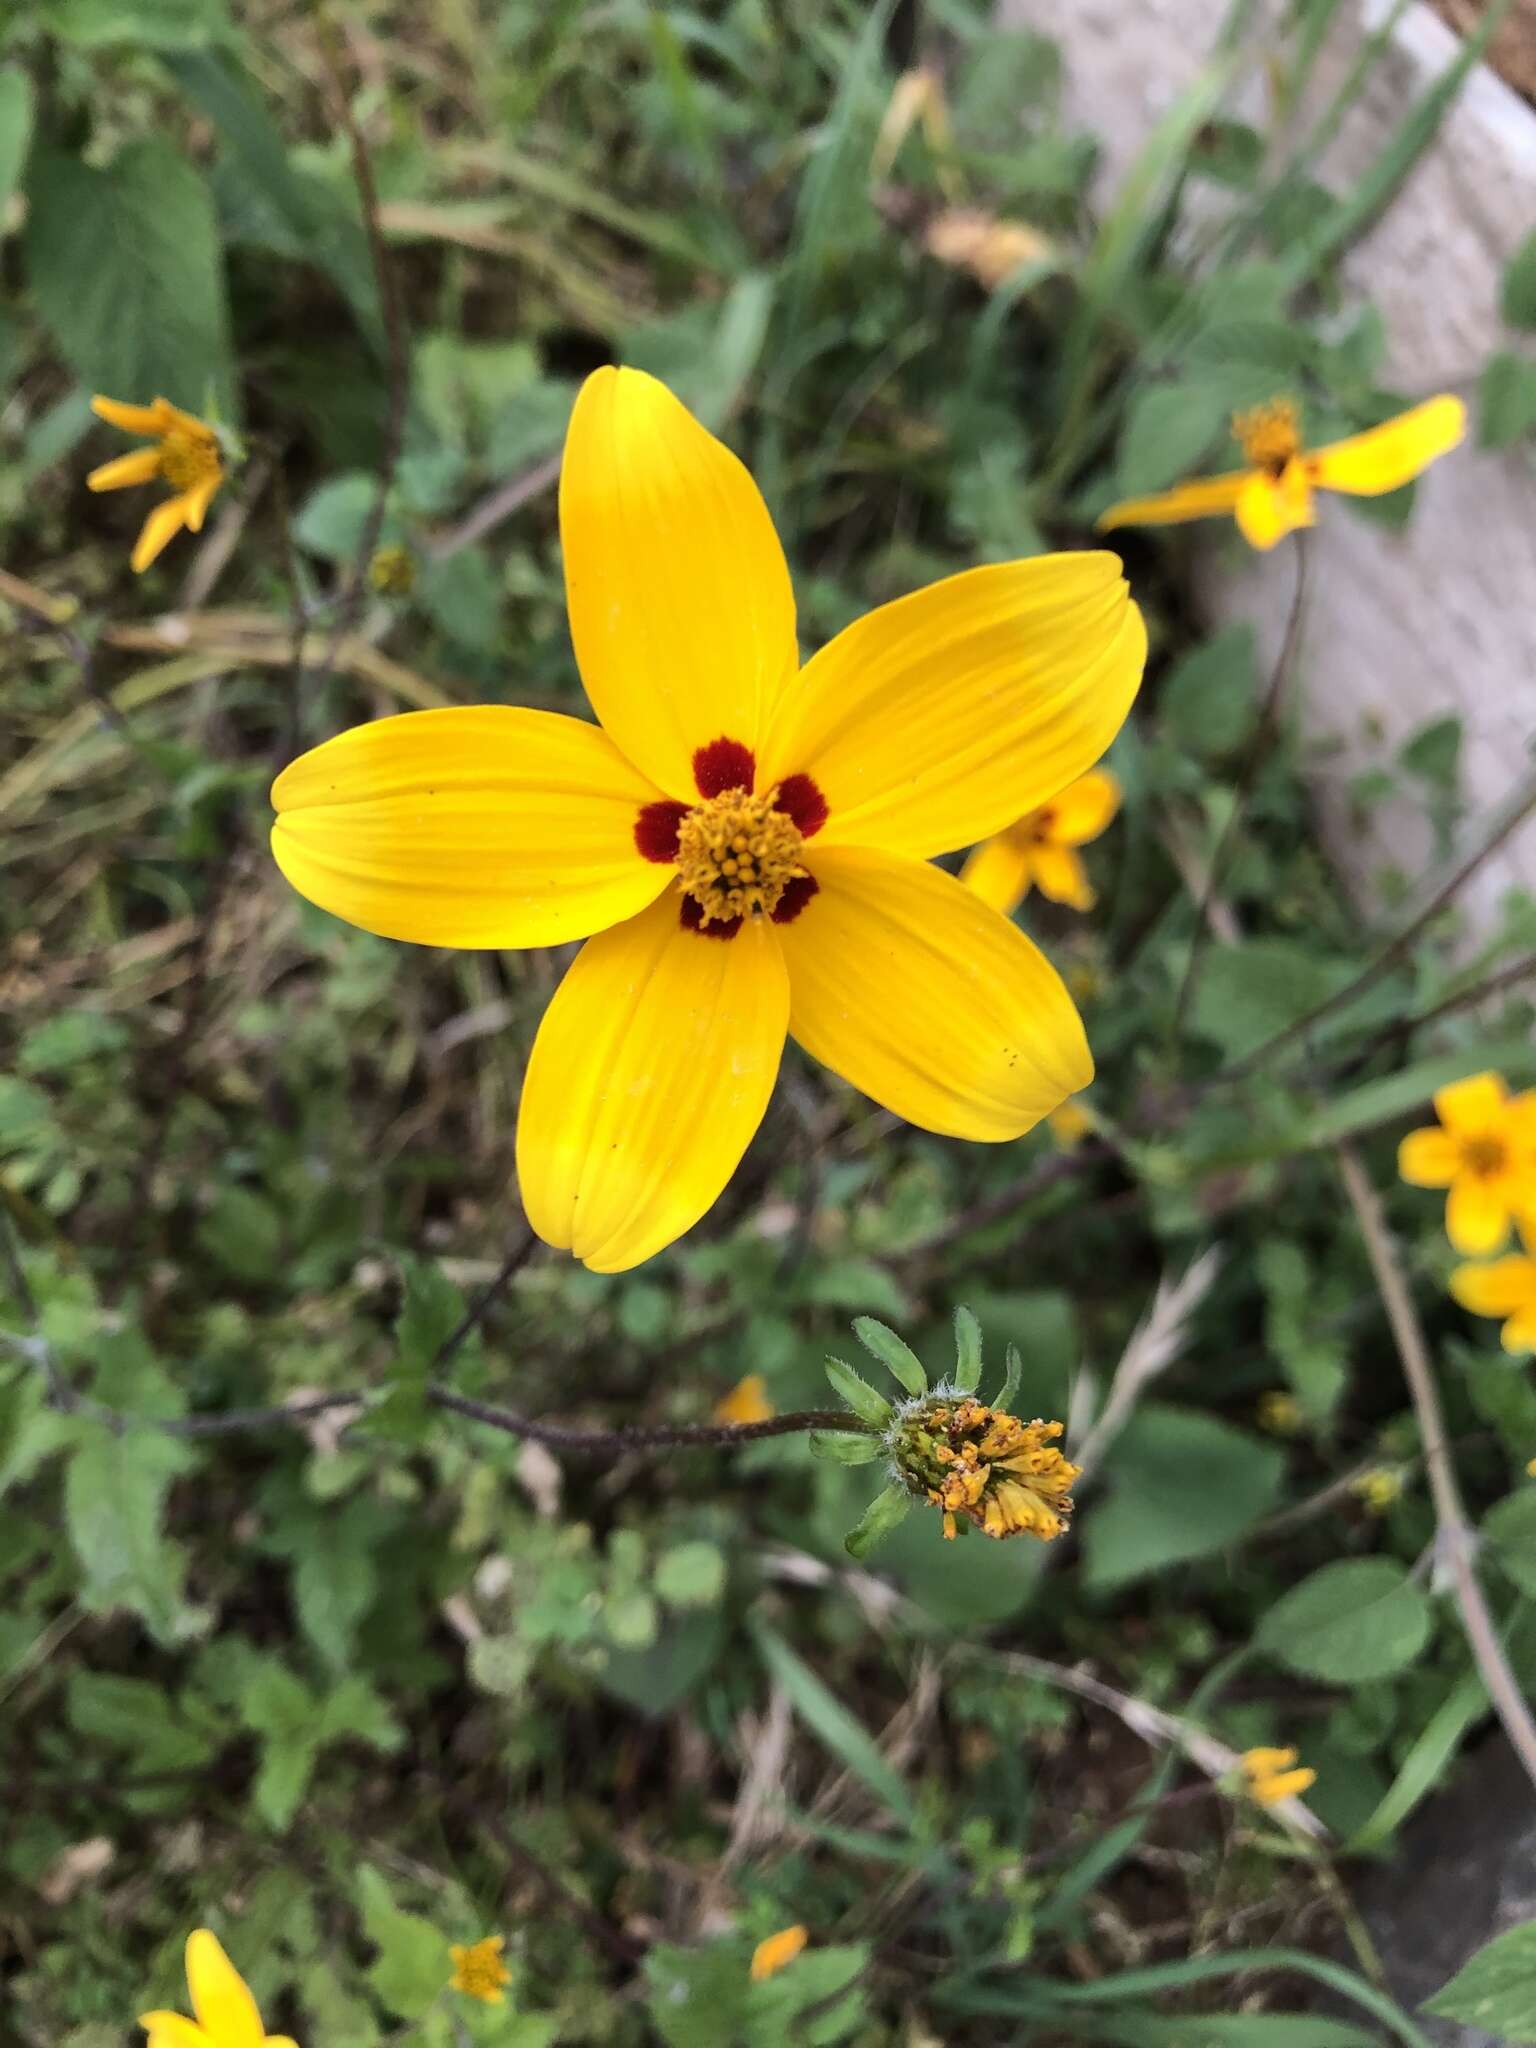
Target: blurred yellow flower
{"x": 746, "y": 1402}
{"x": 770, "y": 1956}
{"x": 746, "y": 845}
{"x": 1070, "y": 1124}
{"x": 1530, "y": 1470}
{"x": 478, "y": 1970}
{"x": 1272, "y": 1775}
{"x": 227, "y": 2016}
{"x": 1485, "y": 1152}
{"x": 187, "y": 457}
{"x": 989, "y": 246}
{"x": 1279, "y": 1412}
{"x": 1040, "y": 849}
{"x": 1505, "y": 1288}
{"x": 1273, "y": 495}
{"x": 1379, "y": 1489}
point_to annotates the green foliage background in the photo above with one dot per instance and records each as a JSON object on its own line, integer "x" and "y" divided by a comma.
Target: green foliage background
{"x": 353, "y": 1690}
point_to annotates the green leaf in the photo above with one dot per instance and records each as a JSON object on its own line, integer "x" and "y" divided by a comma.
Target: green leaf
{"x": 1013, "y": 1374}
{"x": 1506, "y": 400}
{"x": 335, "y": 1577}
{"x": 431, "y": 1311}
{"x": 1396, "y": 1095}
{"x": 334, "y": 517}
{"x": 1185, "y": 1485}
{"x": 1510, "y": 1532}
{"x": 500, "y": 1664}
{"x": 967, "y": 1351}
{"x": 153, "y": 24}
{"x": 1425, "y": 1766}
{"x": 884, "y": 1513}
{"x": 1497, "y": 1989}
{"x": 15, "y": 131}
{"x": 1352, "y": 1621}
{"x": 898, "y": 1358}
{"x": 1210, "y": 694}
{"x": 652, "y": 1680}
{"x": 114, "y": 1507}
{"x": 127, "y": 271}
{"x": 413, "y": 1964}
{"x": 843, "y": 1447}
{"x": 1167, "y": 432}
{"x": 1248, "y": 992}
{"x": 697, "y": 1997}
{"x": 690, "y": 1575}
{"x": 1517, "y": 300}
{"x": 243, "y": 1232}
{"x": 830, "y": 1721}
{"x": 282, "y": 1711}
{"x": 859, "y": 1394}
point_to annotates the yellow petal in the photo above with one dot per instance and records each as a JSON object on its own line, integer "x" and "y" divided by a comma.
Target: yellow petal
{"x": 922, "y": 996}
{"x": 198, "y": 499}
{"x": 158, "y": 530}
{"x": 1519, "y": 1333}
{"x": 998, "y": 872}
{"x": 221, "y": 1999}
{"x": 486, "y": 826}
{"x": 939, "y": 719}
{"x": 1202, "y": 498}
{"x": 1267, "y": 511}
{"x": 133, "y": 419}
{"x": 1392, "y": 454}
{"x": 772, "y": 1955}
{"x": 1060, "y": 874}
{"x": 1471, "y": 1106}
{"x": 141, "y": 467}
{"x": 1428, "y": 1159}
{"x": 172, "y": 2030}
{"x": 1082, "y": 810}
{"x": 1285, "y": 1785}
{"x": 1264, "y": 1762}
{"x": 679, "y": 596}
{"x": 649, "y": 1075}
{"x": 1502, "y": 1288}
{"x": 1477, "y": 1215}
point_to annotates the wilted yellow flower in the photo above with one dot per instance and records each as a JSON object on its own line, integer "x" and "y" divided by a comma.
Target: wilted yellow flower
{"x": 1273, "y": 496}
{"x": 1272, "y": 1775}
{"x": 1070, "y": 1124}
{"x": 1379, "y": 1489}
{"x": 750, "y": 842}
{"x": 989, "y": 246}
{"x": 770, "y": 1956}
{"x": 227, "y": 2015}
{"x": 1485, "y": 1152}
{"x": 1279, "y": 1412}
{"x": 746, "y": 1402}
{"x": 984, "y": 1466}
{"x": 187, "y": 457}
{"x": 918, "y": 95}
{"x": 1040, "y": 849}
{"x": 1505, "y": 1288}
{"x": 478, "y": 1970}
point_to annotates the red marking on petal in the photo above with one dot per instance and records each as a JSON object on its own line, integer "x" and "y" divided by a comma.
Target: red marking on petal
{"x": 798, "y": 891}
{"x": 656, "y": 829}
{"x": 691, "y": 918}
{"x": 724, "y": 764}
{"x": 801, "y": 800}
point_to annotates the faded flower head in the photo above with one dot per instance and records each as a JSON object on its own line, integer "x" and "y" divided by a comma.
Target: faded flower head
{"x": 984, "y": 1466}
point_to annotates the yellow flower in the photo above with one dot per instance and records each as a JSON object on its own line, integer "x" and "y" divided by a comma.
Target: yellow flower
{"x": 984, "y": 1466}
{"x": 1378, "y": 1490}
{"x": 1041, "y": 848}
{"x": 1279, "y": 1412}
{"x": 1070, "y": 1124}
{"x": 744, "y": 843}
{"x": 226, "y": 2012}
{"x": 1505, "y": 1288}
{"x": 187, "y": 458}
{"x": 990, "y": 248}
{"x": 746, "y": 1402}
{"x": 1272, "y": 1775}
{"x": 1484, "y": 1152}
{"x": 1530, "y": 1470}
{"x": 478, "y": 1970}
{"x": 770, "y": 1956}
{"x": 1273, "y": 495}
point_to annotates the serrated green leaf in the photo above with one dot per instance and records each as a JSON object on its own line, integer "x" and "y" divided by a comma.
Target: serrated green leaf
{"x": 860, "y": 1396}
{"x": 1496, "y": 1991}
{"x": 898, "y": 1358}
{"x": 885, "y": 1512}
{"x": 1352, "y": 1621}
{"x": 967, "y": 1351}
{"x": 843, "y": 1447}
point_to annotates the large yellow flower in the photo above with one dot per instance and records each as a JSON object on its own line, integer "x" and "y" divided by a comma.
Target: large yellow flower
{"x": 186, "y": 456}
{"x": 749, "y": 840}
{"x": 1505, "y": 1288}
{"x": 1040, "y": 850}
{"x": 1273, "y": 495}
{"x": 227, "y": 2016}
{"x": 1484, "y": 1151}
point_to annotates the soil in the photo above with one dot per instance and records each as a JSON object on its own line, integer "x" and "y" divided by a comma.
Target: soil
{"x": 1513, "y": 54}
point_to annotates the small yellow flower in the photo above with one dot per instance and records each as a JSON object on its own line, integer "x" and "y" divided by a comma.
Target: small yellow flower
{"x": 989, "y": 246}
{"x": 1040, "y": 849}
{"x": 478, "y": 1970}
{"x": 1070, "y": 1124}
{"x": 770, "y": 1956}
{"x": 227, "y": 2016}
{"x": 746, "y": 1402}
{"x": 1272, "y": 1775}
{"x": 1530, "y": 1470}
{"x": 1273, "y": 495}
{"x": 187, "y": 457}
{"x": 1485, "y": 1152}
{"x": 1279, "y": 1412}
{"x": 1505, "y": 1288}
{"x": 1379, "y": 1489}
{"x": 746, "y": 845}
{"x": 984, "y": 1466}
{"x": 392, "y": 570}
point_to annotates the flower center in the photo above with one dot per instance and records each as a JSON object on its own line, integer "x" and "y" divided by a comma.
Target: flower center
{"x": 736, "y": 855}
{"x": 1268, "y": 434}
{"x": 188, "y": 458}
{"x": 1484, "y": 1156}
{"x": 986, "y": 1467}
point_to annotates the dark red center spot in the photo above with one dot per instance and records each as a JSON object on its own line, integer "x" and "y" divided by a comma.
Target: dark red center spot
{"x": 801, "y": 799}
{"x": 797, "y": 893}
{"x": 724, "y": 764}
{"x": 656, "y": 829}
{"x": 691, "y": 918}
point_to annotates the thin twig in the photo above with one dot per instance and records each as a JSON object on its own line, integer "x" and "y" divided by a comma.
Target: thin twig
{"x": 506, "y": 499}
{"x": 1456, "y": 1539}
{"x": 1155, "y": 1343}
{"x": 1091, "y": 1152}
{"x": 1264, "y": 736}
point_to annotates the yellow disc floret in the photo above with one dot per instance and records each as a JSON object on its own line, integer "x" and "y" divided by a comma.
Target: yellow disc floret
{"x": 189, "y": 456}
{"x": 736, "y": 855}
{"x": 1268, "y": 434}
{"x": 1005, "y": 1476}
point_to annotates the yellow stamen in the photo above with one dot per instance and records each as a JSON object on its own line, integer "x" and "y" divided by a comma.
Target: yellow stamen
{"x": 1486, "y": 1155}
{"x": 189, "y": 455}
{"x": 1268, "y": 434}
{"x": 1004, "y": 1476}
{"x": 736, "y": 855}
